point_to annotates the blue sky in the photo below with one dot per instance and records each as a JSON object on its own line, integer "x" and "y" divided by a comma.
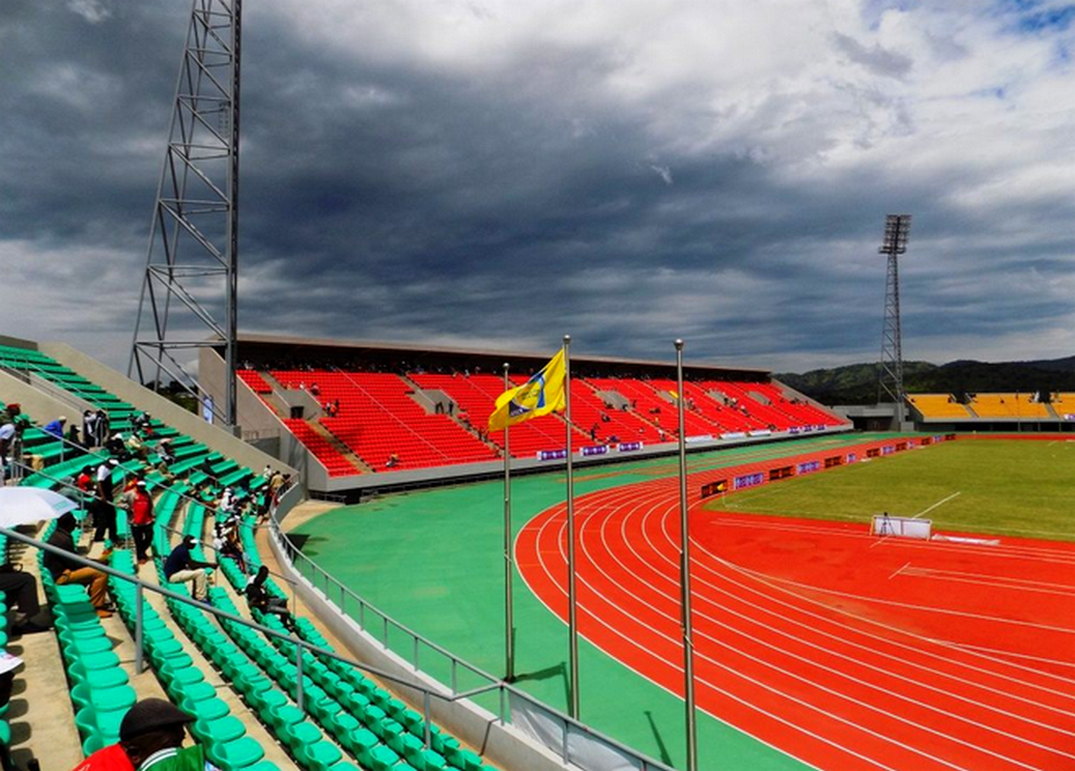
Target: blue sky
{"x": 495, "y": 173}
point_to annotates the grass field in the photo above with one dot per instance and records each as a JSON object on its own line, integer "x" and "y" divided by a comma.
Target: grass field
{"x": 1012, "y": 487}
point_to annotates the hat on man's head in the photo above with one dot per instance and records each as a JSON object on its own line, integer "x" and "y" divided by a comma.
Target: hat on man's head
{"x": 141, "y": 483}
{"x": 14, "y": 406}
{"x": 113, "y": 461}
{"x": 150, "y": 715}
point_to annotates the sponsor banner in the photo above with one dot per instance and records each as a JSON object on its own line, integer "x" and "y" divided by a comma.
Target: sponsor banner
{"x": 809, "y": 467}
{"x": 807, "y": 428}
{"x": 761, "y": 432}
{"x": 1069, "y": 416}
{"x": 851, "y": 458}
{"x": 552, "y": 455}
{"x": 733, "y": 435}
{"x": 938, "y": 438}
{"x": 819, "y": 428}
{"x": 630, "y": 446}
{"x": 888, "y": 449}
{"x": 597, "y": 449}
{"x": 749, "y": 480}
{"x": 699, "y": 438}
{"x": 793, "y": 430}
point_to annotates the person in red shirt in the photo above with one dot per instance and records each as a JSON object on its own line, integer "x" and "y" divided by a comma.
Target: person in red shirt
{"x": 139, "y": 505}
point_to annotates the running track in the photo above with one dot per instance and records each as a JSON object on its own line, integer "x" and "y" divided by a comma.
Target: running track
{"x": 843, "y": 650}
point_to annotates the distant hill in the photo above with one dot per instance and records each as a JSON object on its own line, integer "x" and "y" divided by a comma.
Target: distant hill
{"x": 857, "y": 383}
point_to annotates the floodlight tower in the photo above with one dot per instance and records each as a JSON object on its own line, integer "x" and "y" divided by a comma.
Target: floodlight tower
{"x": 191, "y": 280}
{"x": 897, "y": 227}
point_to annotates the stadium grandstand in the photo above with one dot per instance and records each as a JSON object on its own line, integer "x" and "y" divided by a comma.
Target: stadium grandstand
{"x": 354, "y": 415}
{"x": 270, "y": 696}
{"x": 991, "y": 412}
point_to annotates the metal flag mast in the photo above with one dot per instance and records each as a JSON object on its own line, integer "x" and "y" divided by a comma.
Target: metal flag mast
{"x": 191, "y": 280}
{"x": 572, "y": 600}
{"x": 685, "y": 578}
{"x": 890, "y": 381}
{"x": 509, "y": 569}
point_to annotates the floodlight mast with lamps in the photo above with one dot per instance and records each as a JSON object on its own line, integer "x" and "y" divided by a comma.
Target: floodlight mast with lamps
{"x": 890, "y": 381}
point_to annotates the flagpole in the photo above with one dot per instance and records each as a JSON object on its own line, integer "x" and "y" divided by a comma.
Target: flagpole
{"x": 685, "y": 577}
{"x": 572, "y": 614}
{"x": 509, "y": 570}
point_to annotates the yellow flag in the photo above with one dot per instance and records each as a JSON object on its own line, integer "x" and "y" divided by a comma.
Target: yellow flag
{"x": 673, "y": 393}
{"x": 541, "y": 394}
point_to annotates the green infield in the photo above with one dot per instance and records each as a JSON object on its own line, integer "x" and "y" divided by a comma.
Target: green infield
{"x": 1006, "y": 487}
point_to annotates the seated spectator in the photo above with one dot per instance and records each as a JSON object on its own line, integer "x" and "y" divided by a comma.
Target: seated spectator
{"x": 393, "y": 461}
{"x": 136, "y": 447}
{"x": 116, "y": 446}
{"x": 65, "y": 570}
{"x": 21, "y": 592}
{"x": 181, "y": 568}
{"x": 56, "y": 427}
{"x": 73, "y": 436}
{"x": 258, "y": 597}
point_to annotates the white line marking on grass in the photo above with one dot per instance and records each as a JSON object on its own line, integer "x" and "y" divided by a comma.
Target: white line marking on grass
{"x": 938, "y": 503}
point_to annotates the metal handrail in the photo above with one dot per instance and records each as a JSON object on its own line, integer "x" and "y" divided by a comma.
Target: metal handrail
{"x": 289, "y": 550}
{"x": 301, "y": 645}
{"x": 83, "y": 496}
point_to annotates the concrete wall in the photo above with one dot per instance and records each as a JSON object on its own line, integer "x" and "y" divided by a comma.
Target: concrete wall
{"x": 167, "y": 411}
{"x": 38, "y": 404}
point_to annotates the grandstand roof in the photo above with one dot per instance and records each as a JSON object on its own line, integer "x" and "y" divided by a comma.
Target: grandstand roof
{"x": 269, "y": 348}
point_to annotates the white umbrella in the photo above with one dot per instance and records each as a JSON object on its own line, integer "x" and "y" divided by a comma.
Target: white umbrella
{"x": 24, "y": 505}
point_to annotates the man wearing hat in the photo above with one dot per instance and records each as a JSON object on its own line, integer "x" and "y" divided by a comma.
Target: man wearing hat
{"x": 104, "y": 511}
{"x": 56, "y": 427}
{"x": 139, "y": 505}
{"x": 150, "y": 737}
{"x": 180, "y": 568}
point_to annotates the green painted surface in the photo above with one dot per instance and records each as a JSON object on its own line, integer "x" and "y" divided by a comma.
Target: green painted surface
{"x": 433, "y": 560}
{"x": 967, "y": 485}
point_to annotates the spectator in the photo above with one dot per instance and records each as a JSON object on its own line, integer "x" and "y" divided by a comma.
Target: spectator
{"x": 21, "y": 590}
{"x": 73, "y": 435}
{"x": 102, "y": 427}
{"x": 104, "y": 510}
{"x": 85, "y": 481}
{"x": 164, "y": 452}
{"x": 139, "y": 504}
{"x": 181, "y": 568}
{"x": 593, "y": 433}
{"x": 56, "y": 427}
{"x": 258, "y": 597}
{"x": 136, "y": 447}
{"x": 266, "y": 473}
{"x": 226, "y": 542}
{"x": 116, "y": 447}
{"x": 393, "y": 461}
{"x": 7, "y": 440}
{"x": 89, "y": 428}
{"x": 68, "y": 571}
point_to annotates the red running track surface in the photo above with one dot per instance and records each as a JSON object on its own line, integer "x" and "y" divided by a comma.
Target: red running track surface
{"x": 844, "y": 650}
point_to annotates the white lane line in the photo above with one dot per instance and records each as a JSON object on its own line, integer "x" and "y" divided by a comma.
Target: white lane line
{"x": 905, "y": 565}
{"x": 938, "y": 503}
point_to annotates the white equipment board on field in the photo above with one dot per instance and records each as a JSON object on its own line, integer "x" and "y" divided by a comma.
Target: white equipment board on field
{"x": 901, "y": 527}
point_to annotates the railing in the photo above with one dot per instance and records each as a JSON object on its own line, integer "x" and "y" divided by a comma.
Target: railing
{"x": 301, "y": 646}
{"x": 578, "y": 744}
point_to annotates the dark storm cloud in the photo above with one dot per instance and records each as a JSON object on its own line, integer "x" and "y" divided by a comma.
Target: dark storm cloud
{"x": 560, "y": 186}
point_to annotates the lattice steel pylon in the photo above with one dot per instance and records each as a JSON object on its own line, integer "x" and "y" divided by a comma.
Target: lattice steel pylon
{"x": 191, "y": 278}
{"x": 890, "y": 381}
